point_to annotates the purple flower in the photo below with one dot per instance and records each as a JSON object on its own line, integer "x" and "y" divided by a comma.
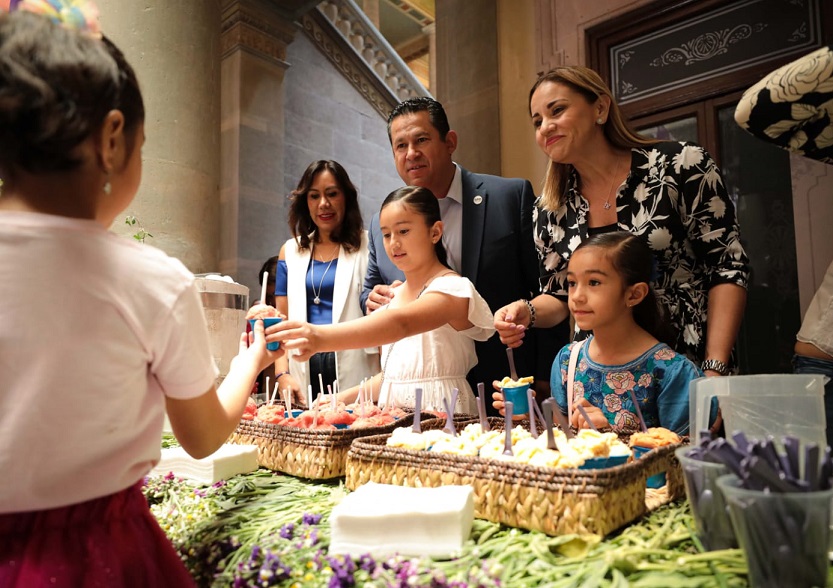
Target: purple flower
{"x": 367, "y": 563}
{"x": 255, "y": 553}
{"x": 287, "y": 531}
{"x": 311, "y": 519}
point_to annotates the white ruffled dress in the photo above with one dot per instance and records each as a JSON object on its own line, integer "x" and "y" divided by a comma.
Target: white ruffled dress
{"x": 437, "y": 361}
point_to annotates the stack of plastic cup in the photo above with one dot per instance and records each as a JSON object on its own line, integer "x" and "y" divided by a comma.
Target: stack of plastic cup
{"x": 784, "y": 535}
{"x": 714, "y": 528}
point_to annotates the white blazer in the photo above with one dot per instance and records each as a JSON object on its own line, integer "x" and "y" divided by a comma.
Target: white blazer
{"x": 352, "y": 365}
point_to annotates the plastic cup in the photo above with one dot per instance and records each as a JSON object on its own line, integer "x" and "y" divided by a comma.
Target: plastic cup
{"x": 268, "y": 322}
{"x": 655, "y": 481}
{"x": 517, "y": 396}
{"x": 714, "y": 528}
{"x": 784, "y": 536}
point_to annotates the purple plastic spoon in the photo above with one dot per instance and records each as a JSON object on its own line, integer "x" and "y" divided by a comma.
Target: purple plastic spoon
{"x": 417, "y": 409}
{"x": 548, "y": 410}
{"x": 533, "y": 429}
{"x": 638, "y": 411}
{"x": 481, "y": 408}
{"x": 507, "y": 411}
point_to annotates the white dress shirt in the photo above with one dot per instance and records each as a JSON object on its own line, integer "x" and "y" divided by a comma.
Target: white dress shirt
{"x": 451, "y": 211}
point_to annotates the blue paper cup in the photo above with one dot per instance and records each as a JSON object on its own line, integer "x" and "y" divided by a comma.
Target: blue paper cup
{"x": 600, "y": 463}
{"x": 517, "y": 396}
{"x": 268, "y": 322}
{"x": 656, "y": 481}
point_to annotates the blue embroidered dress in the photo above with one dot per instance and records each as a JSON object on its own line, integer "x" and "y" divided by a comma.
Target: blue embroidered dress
{"x": 659, "y": 379}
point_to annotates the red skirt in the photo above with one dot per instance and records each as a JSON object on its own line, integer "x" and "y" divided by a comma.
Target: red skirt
{"x": 112, "y": 541}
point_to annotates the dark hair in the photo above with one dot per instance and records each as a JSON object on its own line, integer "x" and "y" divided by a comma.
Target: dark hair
{"x": 435, "y": 110}
{"x": 56, "y": 87}
{"x": 618, "y": 132}
{"x": 423, "y": 202}
{"x": 349, "y": 235}
{"x": 271, "y": 266}
{"x": 631, "y": 257}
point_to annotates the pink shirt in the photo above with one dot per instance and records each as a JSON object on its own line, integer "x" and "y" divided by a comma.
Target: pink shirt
{"x": 95, "y": 330}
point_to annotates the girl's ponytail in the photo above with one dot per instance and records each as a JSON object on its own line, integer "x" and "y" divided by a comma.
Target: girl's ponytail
{"x": 650, "y": 314}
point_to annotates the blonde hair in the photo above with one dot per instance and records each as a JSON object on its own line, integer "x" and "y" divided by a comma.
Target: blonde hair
{"x": 590, "y": 85}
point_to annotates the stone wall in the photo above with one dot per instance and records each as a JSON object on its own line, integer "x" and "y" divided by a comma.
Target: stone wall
{"x": 325, "y": 117}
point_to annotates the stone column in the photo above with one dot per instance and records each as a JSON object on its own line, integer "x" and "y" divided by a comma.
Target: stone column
{"x": 252, "y": 202}
{"x": 467, "y": 80}
{"x": 371, "y": 10}
{"x": 431, "y": 31}
{"x": 174, "y": 48}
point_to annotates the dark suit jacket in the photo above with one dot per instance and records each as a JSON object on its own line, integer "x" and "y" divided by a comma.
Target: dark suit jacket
{"x": 500, "y": 259}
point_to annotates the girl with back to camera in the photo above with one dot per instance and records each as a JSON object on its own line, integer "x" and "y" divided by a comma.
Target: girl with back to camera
{"x": 608, "y": 281}
{"x": 428, "y": 329}
{"x": 99, "y": 335}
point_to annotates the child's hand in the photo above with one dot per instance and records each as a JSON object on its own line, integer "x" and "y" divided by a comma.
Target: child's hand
{"x": 253, "y": 349}
{"x": 499, "y": 404}
{"x": 300, "y": 337}
{"x": 597, "y": 417}
{"x": 508, "y": 324}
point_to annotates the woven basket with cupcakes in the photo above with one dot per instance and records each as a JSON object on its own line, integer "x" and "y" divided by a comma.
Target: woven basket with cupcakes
{"x": 319, "y": 454}
{"x": 556, "y": 499}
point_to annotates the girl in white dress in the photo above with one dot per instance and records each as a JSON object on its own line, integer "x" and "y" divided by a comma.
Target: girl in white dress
{"x": 428, "y": 329}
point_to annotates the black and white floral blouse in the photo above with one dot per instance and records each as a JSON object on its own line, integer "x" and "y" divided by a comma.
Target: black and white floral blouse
{"x": 792, "y": 107}
{"x": 675, "y": 199}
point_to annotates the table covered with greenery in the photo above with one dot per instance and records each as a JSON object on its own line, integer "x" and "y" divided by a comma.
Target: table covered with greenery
{"x": 268, "y": 529}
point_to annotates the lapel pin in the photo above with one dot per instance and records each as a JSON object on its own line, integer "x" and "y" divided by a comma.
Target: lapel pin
{"x": 478, "y": 199}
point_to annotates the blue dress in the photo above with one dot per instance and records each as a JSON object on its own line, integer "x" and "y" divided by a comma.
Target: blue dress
{"x": 659, "y": 378}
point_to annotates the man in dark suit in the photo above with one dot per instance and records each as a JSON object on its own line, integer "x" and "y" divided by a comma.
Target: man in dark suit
{"x": 487, "y": 232}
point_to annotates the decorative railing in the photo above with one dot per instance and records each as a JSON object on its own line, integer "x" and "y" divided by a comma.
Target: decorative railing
{"x": 348, "y": 38}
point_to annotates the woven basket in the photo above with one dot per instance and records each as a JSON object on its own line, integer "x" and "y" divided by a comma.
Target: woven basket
{"x": 316, "y": 455}
{"x": 554, "y": 501}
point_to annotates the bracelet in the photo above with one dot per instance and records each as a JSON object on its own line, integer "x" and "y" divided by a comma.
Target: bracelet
{"x": 280, "y": 375}
{"x": 531, "y": 310}
{"x": 715, "y": 365}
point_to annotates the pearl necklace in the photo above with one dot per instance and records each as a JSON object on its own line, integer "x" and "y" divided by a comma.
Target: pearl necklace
{"x": 317, "y": 295}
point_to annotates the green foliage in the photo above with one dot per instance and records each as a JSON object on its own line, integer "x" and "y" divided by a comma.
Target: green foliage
{"x": 141, "y": 234}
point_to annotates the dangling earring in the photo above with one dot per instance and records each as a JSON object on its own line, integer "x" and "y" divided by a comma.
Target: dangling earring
{"x": 600, "y": 121}
{"x": 107, "y": 187}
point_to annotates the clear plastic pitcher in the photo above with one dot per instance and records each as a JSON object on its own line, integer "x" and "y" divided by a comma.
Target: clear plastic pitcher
{"x": 761, "y": 405}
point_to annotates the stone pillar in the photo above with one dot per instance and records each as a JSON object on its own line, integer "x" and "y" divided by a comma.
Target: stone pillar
{"x": 431, "y": 32}
{"x": 252, "y": 202}
{"x": 467, "y": 80}
{"x": 371, "y": 10}
{"x": 174, "y": 48}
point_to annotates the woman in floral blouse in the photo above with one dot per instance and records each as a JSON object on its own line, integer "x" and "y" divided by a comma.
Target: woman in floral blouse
{"x": 603, "y": 177}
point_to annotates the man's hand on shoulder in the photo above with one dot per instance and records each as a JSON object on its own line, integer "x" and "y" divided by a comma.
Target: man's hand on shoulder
{"x": 380, "y": 295}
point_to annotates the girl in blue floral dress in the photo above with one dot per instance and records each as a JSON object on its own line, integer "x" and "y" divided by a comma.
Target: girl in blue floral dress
{"x": 609, "y": 294}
